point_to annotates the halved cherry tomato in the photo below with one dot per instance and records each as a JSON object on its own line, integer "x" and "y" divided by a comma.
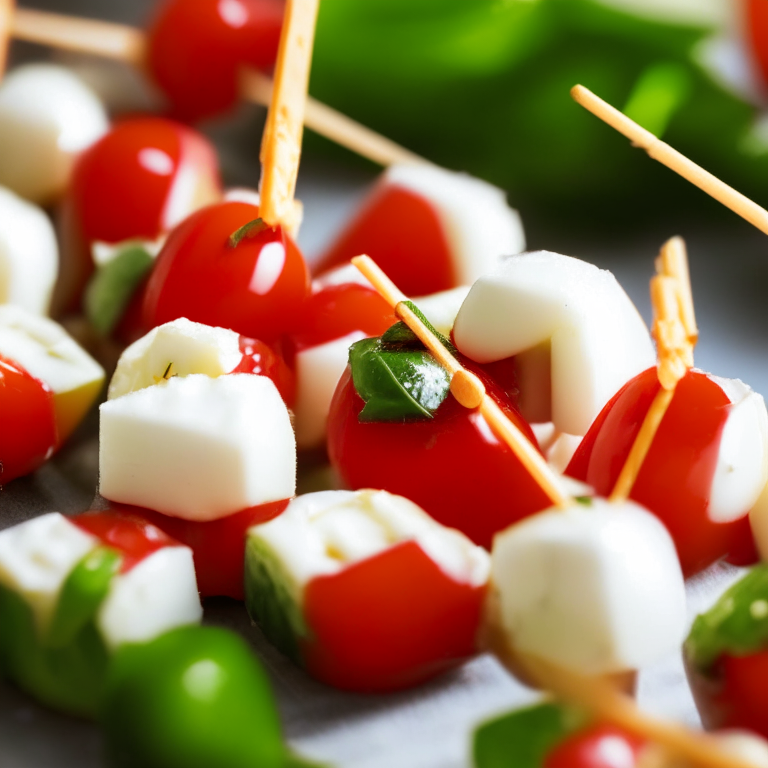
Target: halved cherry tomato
{"x": 218, "y": 546}
{"x": 452, "y": 465}
{"x": 256, "y": 287}
{"x": 261, "y": 359}
{"x": 389, "y": 622}
{"x": 130, "y": 534}
{"x": 676, "y": 477}
{"x": 402, "y": 232}
{"x": 27, "y": 423}
{"x": 600, "y": 746}
{"x": 757, "y": 19}
{"x": 196, "y": 49}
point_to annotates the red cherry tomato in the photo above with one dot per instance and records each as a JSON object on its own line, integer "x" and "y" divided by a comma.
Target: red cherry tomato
{"x": 676, "y": 477}
{"x": 261, "y": 359}
{"x": 402, "y": 232}
{"x": 452, "y": 465}
{"x": 130, "y": 534}
{"x": 255, "y": 288}
{"x": 339, "y": 310}
{"x": 388, "y": 622}
{"x": 197, "y": 47}
{"x": 757, "y": 18}
{"x": 601, "y": 746}
{"x": 218, "y": 546}
{"x": 27, "y": 422}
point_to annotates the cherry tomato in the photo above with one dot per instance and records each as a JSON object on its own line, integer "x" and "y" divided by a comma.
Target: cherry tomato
{"x": 130, "y": 534}
{"x": 388, "y": 622}
{"x": 261, "y": 359}
{"x": 197, "y": 47}
{"x": 218, "y": 546}
{"x": 256, "y": 287}
{"x": 339, "y": 310}
{"x": 27, "y": 423}
{"x": 401, "y": 231}
{"x": 757, "y": 18}
{"x": 139, "y": 181}
{"x": 452, "y": 465}
{"x": 600, "y": 746}
{"x": 676, "y": 477}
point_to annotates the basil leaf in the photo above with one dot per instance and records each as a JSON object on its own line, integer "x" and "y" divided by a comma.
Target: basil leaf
{"x": 523, "y": 738}
{"x": 737, "y": 624}
{"x": 113, "y": 285}
{"x": 396, "y": 385}
{"x": 401, "y": 335}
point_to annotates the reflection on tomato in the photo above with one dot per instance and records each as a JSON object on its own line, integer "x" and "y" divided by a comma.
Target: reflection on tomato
{"x": 453, "y": 466}
{"x": 600, "y": 746}
{"x": 402, "y": 232}
{"x": 27, "y": 423}
{"x": 757, "y": 19}
{"x": 256, "y": 288}
{"x": 218, "y": 546}
{"x": 263, "y": 360}
{"x": 391, "y": 621}
{"x": 676, "y": 477}
{"x": 197, "y": 47}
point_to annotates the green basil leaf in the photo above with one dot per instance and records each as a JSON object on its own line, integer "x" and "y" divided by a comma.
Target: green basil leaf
{"x": 400, "y": 335}
{"x": 83, "y": 592}
{"x": 523, "y": 738}
{"x": 737, "y": 624}
{"x": 113, "y": 285}
{"x": 251, "y": 229}
{"x": 396, "y": 385}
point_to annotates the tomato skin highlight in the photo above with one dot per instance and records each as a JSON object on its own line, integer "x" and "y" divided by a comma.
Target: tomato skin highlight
{"x": 452, "y": 466}
{"x": 261, "y": 359}
{"x": 255, "y": 288}
{"x": 599, "y": 746}
{"x": 28, "y": 434}
{"x": 676, "y": 477}
{"x": 403, "y": 234}
{"x": 218, "y": 546}
{"x": 196, "y": 49}
{"x": 388, "y": 622}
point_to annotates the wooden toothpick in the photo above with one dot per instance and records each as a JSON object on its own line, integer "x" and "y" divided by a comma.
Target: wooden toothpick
{"x": 676, "y": 333}
{"x": 6, "y": 20}
{"x": 673, "y": 159}
{"x": 466, "y": 387}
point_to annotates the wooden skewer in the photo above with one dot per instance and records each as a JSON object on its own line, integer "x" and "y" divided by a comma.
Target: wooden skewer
{"x": 128, "y": 44}
{"x": 466, "y": 387}
{"x": 675, "y": 331}
{"x": 281, "y": 143}
{"x": 673, "y": 159}
{"x": 6, "y": 20}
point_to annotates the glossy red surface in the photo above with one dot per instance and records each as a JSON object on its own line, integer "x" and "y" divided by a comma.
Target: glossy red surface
{"x": 402, "y": 232}
{"x": 27, "y": 423}
{"x": 600, "y": 746}
{"x": 452, "y": 465}
{"x": 263, "y": 360}
{"x": 196, "y": 48}
{"x": 676, "y": 477}
{"x": 256, "y": 288}
{"x": 757, "y": 32}
{"x": 391, "y": 621}
{"x": 131, "y": 534}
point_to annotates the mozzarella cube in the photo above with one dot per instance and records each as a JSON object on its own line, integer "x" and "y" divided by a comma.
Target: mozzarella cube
{"x": 198, "y": 448}
{"x": 595, "y": 336}
{"x": 29, "y": 255}
{"x": 441, "y": 308}
{"x": 47, "y": 118}
{"x": 37, "y": 556}
{"x": 156, "y": 595}
{"x": 185, "y": 346}
{"x": 597, "y": 588}
{"x": 47, "y": 352}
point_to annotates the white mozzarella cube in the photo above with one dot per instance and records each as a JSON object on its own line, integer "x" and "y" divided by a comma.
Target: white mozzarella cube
{"x": 479, "y": 225}
{"x": 47, "y": 352}
{"x": 343, "y": 275}
{"x": 47, "y": 118}
{"x": 318, "y": 370}
{"x": 29, "y": 255}
{"x": 198, "y": 448}
{"x": 597, "y": 588}
{"x": 156, "y": 595}
{"x": 185, "y": 346}
{"x": 441, "y": 308}
{"x": 593, "y": 336}
{"x": 37, "y": 556}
